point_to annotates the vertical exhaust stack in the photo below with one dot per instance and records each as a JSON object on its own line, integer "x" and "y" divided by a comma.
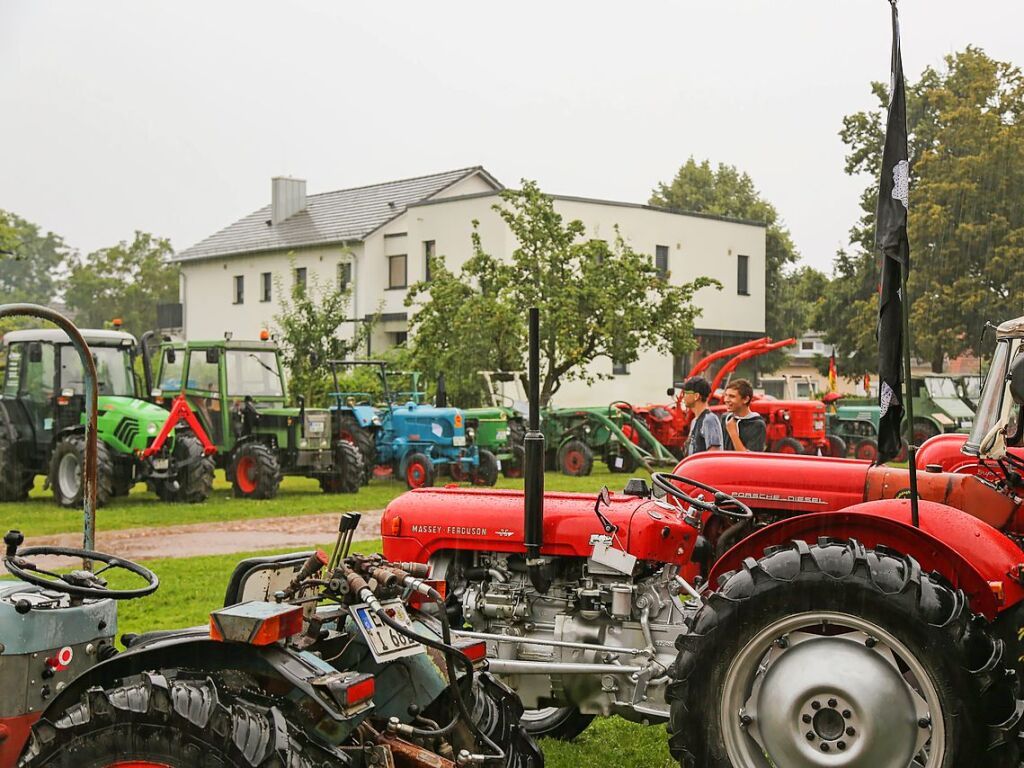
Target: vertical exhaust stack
{"x": 533, "y": 471}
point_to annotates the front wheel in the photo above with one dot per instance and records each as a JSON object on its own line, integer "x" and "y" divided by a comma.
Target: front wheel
{"x": 486, "y": 472}
{"x": 346, "y": 476}
{"x": 563, "y": 723}
{"x": 837, "y": 447}
{"x": 194, "y": 481}
{"x": 787, "y": 445}
{"x": 255, "y": 472}
{"x": 418, "y": 470}
{"x": 575, "y": 459}
{"x": 866, "y": 449}
{"x": 67, "y": 465}
{"x": 834, "y": 654}
{"x": 152, "y": 720}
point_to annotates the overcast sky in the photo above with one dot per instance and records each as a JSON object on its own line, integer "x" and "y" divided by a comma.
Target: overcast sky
{"x": 171, "y": 117}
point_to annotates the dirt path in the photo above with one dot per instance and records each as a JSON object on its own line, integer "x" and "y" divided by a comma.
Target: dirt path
{"x": 217, "y": 538}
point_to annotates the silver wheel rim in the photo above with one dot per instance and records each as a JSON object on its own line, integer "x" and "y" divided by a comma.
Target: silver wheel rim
{"x": 69, "y": 475}
{"x": 829, "y": 689}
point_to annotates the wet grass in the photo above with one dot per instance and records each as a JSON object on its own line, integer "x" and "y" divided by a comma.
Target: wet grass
{"x": 39, "y": 516}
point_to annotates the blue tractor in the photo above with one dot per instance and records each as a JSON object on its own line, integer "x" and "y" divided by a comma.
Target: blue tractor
{"x": 411, "y": 440}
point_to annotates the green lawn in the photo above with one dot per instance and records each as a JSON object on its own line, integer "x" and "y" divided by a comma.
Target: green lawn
{"x": 190, "y": 587}
{"x": 39, "y": 516}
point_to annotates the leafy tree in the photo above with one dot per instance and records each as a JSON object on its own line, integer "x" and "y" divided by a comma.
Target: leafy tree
{"x": 31, "y": 263}
{"x": 307, "y": 323}
{"x": 966, "y": 224}
{"x": 126, "y": 280}
{"x": 799, "y": 299}
{"x": 596, "y": 300}
{"x": 724, "y": 191}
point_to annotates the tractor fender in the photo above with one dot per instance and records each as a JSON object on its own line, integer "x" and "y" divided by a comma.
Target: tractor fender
{"x": 973, "y": 556}
{"x": 192, "y": 649}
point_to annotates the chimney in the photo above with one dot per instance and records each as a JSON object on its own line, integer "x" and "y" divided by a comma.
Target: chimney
{"x": 288, "y": 197}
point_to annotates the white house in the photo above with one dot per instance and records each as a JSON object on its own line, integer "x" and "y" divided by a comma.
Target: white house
{"x": 376, "y": 239}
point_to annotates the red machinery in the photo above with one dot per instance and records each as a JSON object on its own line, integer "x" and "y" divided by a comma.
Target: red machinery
{"x": 793, "y": 426}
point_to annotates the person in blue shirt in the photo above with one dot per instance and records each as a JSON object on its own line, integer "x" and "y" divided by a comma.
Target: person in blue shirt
{"x": 705, "y": 429}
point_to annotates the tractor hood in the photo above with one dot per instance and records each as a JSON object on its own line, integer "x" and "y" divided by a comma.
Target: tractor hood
{"x": 428, "y": 520}
{"x": 127, "y": 422}
{"x": 427, "y": 423}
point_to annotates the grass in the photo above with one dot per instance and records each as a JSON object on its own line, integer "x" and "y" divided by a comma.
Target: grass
{"x": 191, "y": 587}
{"x": 39, "y": 516}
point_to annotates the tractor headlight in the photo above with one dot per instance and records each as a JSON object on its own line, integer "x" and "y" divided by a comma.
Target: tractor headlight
{"x": 376, "y": 421}
{"x": 151, "y": 428}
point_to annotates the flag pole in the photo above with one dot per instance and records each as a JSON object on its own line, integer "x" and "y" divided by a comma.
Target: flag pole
{"x": 908, "y": 399}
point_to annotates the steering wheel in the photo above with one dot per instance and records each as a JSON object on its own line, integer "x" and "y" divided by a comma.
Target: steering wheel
{"x": 80, "y": 583}
{"x": 724, "y": 505}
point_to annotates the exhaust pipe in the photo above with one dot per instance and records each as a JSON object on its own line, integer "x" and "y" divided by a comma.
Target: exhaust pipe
{"x": 533, "y": 469}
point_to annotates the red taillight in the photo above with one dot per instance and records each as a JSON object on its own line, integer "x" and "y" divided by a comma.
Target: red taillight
{"x": 360, "y": 691}
{"x": 255, "y": 623}
{"x": 475, "y": 651}
{"x": 396, "y": 525}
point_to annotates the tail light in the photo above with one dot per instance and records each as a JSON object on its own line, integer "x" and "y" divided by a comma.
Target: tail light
{"x": 396, "y": 525}
{"x": 476, "y": 651}
{"x": 255, "y": 623}
{"x": 360, "y": 690}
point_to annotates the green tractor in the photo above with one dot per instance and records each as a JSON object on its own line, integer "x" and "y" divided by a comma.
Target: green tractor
{"x": 42, "y": 427}
{"x": 501, "y": 427}
{"x": 238, "y": 391}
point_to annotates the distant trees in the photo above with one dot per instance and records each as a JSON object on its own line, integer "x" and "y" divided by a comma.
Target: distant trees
{"x": 33, "y": 262}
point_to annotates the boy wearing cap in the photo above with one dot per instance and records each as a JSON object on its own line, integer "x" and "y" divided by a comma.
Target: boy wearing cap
{"x": 705, "y": 429}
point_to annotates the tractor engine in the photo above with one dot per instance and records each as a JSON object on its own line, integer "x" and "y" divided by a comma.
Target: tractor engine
{"x": 616, "y": 617}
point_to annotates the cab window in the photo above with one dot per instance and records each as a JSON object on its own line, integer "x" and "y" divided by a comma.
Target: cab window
{"x": 203, "y": 371}
{"x": 171, "y": 366}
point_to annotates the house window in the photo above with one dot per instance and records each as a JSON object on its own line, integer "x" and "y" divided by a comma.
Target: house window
{"x": 397, "y": 272}
{"x": 265, "y": 286}
{"x": 397, "y": 338}
{"x": 300, "y": 279}
{"x": 620, "y": 369}
{"x": 429, "y": 248}
{"x": 239, "y": 289}
{"x": 661, "y": 259}
{"x": 742, "y": 274}
{"x": 344, "y": 275}
{"x": 807, "y": 346}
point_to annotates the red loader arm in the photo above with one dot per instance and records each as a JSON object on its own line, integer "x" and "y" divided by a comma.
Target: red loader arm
{"x": 746, "y": 355}
{"x": 181, "y": 410}
{"x": 707, "y": 361}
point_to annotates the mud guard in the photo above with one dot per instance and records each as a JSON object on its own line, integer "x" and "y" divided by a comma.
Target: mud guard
{"x": 973, "y": 556}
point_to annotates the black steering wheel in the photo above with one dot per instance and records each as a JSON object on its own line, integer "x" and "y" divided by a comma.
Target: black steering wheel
{"x": 724, "y": 505}
{"x": 80, "y": 583}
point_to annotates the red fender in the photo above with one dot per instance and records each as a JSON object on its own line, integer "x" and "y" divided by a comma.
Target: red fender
{"x": 14, "y": 733}
{"x": 973, "y": 556}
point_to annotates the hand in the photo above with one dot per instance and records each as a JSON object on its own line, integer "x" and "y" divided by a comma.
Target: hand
{"x": 733, "y": 428}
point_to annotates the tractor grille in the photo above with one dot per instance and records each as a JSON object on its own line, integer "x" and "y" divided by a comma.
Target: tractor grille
{"x": 127, "y": 430}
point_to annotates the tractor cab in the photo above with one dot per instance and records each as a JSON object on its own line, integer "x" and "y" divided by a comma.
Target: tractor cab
{"x": 998, "y": 424}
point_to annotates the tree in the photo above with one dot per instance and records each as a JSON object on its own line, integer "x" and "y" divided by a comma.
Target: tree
{"x": 127, "y": 281}
{"x": 698, "y": 188}
{"x": 307, "y": 322}
{"x": 31, "y": 263}
{"x": 596, "y": 299}
{"x": 966, "y": 225}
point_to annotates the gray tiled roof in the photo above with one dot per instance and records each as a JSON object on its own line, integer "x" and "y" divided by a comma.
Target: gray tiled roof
{"x": 330, "y": 217}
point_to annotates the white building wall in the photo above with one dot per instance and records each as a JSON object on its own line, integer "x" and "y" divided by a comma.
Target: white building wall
{"x": 697, "y": 246}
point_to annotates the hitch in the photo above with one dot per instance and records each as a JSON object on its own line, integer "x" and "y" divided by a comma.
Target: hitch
{"x": 180, "y": 410}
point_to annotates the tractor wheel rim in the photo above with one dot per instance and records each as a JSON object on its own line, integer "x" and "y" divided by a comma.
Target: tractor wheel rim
{"x": 415, "y": 474}
{"x": 574, "y": 460}
{"x": 69, "y": 475}
{"x": 784, "y": 704}
{"x": 245, "y": 474}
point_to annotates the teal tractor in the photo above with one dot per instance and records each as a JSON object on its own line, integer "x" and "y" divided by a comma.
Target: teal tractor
{"x": 409, "y": 440}
{"x": 238, "y": 391}
{"x": 42, "y": 413}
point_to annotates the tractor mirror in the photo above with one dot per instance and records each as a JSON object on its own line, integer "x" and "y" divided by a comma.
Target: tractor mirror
{"x": 172, "y": 356}
{"x": 671, "y": 391}
{"x": 1017, "y": 380}
{"x": 213, "y": 356}
{"x": 604, "y": 497}
{"x": 35, "y": 352}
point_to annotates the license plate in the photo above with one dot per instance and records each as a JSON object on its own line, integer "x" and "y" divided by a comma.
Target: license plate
{"x": 160, "y": 464}
{"x": 501, "y": 434}
{"x": 316, "y": 427}
{"x": 459, "y": 440}
{"x": 384, "y": 642}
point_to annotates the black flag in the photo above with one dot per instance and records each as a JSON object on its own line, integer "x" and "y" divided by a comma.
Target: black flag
{"x": 891, "y": 239}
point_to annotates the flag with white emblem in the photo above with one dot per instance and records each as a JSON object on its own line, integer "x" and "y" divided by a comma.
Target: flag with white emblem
{"x": 891, "y": 239}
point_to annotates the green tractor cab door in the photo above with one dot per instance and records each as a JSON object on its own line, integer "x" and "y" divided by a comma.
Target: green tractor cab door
{"x": 203, "y": 390}
{"x": 30, "y": 370}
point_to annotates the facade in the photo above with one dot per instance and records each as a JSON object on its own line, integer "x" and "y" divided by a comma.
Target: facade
{"x": 376, "y": 240}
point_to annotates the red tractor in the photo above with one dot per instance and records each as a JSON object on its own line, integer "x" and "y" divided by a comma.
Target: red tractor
{"x": 793, "y": 426}
{"x": 764, "y": 635}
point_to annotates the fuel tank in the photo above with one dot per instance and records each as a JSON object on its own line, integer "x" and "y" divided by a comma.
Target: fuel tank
{"x": 428, "y": 520}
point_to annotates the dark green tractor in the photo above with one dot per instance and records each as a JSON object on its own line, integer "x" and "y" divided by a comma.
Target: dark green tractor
{"x": 42, "y": 428}
{"x": 238, "y": 391}
{"x": 500, "y": 427}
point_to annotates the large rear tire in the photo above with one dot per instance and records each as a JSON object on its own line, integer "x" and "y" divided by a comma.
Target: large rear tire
{"x": 486, "y": 472}
{"x": 866, "y": 449}
{"x": 15, "y": 483}
{"x": 575, "y": 459}
{"x": 816, "y": 650}
{"x": 563, "y": 723}
{"x": 347, "y": 473}
{"x": 67, "y": 465}
{"x": 255, "y": 472}
{"x": 157, "y": 721}
{"x": 923, "y": 429}
{"x": 837, "y": 447}
{"x": 194, "y": 482}
{"x": 350, "y": 431}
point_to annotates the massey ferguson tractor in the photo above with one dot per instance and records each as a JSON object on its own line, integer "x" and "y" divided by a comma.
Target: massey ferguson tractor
{"x": 42, "y": 431}
{"x": 313, "y": 660}
{"x": 765, "y": 636}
